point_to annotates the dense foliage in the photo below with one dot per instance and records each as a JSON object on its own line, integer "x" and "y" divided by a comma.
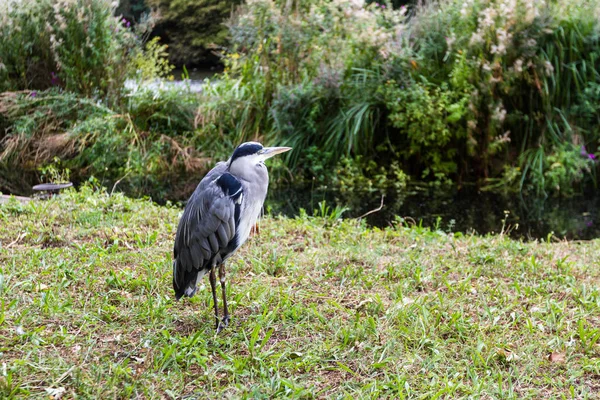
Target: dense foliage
{"x": 74, "y": 44}
{"x": 501, "y": 93}
{"x": 148, "y": 146}
{"x": 66, "y": 107}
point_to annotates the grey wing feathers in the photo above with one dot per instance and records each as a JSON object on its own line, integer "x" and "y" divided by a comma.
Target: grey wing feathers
{"x": 206, "y": 231}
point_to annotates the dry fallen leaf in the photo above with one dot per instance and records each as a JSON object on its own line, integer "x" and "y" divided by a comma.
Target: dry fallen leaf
{"x": 557, "y": 357}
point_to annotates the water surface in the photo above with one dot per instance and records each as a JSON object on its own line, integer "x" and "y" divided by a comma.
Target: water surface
{"x": 467, "y": 212}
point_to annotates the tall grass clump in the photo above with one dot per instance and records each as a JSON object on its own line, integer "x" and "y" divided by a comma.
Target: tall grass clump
{"x": 148, "y": 147}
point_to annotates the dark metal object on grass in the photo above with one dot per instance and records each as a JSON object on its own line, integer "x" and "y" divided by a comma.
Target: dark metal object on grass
{"x": 47, "y": 190}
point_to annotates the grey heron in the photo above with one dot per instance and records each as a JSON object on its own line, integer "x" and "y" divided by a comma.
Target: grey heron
{"x": 218, "y": 218}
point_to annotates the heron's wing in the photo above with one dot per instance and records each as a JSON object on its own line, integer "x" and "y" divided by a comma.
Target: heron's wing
{"x": 207, "y": 229}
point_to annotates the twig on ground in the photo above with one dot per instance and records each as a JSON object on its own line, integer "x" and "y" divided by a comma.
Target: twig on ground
{"x": 17, "y": 240}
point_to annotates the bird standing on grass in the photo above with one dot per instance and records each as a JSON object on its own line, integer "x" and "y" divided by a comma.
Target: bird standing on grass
{"x": 217, "y": 220}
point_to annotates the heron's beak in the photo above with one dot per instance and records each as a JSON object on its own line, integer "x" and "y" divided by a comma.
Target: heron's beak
{"x": 269, "y": 152}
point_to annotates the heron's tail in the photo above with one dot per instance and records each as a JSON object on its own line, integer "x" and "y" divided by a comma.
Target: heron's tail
{"x": 187, "y": 291}
{"x": 184, "y": 282}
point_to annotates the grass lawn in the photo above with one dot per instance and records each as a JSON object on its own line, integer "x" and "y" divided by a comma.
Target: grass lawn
{"x": 321, "y": 308}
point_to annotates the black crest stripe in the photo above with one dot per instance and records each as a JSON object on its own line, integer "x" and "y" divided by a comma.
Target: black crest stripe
{"x": 246, "y": 150}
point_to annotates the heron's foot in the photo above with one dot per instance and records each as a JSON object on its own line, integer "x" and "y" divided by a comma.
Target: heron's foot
{"x": 223, "y": 324}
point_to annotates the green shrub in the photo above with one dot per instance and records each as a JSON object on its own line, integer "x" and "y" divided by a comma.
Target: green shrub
{"x": 526, "y": 66}
{"x": 74, "y": 44}
{"x": 427, "y": 118}
{"x": 151, "y": 62}
{"x": 26, "y": 58}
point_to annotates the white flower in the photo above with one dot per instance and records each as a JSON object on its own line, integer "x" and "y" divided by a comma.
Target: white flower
{"x": 519, "y": 65}
{"x": 499, "y": 114}
{"x": 498, "y": 49}
{"x": 487, "y": 17}
{"x": 466, "y": 8}
{"x": 505, "y": 138}
{"x": 450, "y": 40}
{"x": 476, "y": 39}
{"x": 507, "y": 8}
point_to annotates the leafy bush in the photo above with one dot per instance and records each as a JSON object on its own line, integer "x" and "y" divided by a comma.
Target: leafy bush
{"x": 427, "y": 117}
{"x": 525, "y": 66}
{"x": 74, "y": 44}
{"x": 151, "y": 62}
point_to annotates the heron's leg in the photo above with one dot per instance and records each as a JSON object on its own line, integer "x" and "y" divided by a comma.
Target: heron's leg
{"x": 213, "y": 285}
{"x": 224, "y": 291}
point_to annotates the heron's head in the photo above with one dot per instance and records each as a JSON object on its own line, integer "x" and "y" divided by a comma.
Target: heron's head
{"x": 250, "y": 155}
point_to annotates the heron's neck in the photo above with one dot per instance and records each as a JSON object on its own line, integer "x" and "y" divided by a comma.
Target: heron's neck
{"x": 251, "y": 172}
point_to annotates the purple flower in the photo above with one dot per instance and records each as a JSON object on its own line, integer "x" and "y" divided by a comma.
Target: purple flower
{"x": 584, "y": 153}
{"x": 589, "y": 224}
{"x": 53, "y": 79}
{"x": 33, "y": 94}
{"x": 126, "y": 23}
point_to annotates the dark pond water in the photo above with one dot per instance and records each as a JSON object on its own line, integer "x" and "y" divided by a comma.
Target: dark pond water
{"x": 528, "y": 218}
